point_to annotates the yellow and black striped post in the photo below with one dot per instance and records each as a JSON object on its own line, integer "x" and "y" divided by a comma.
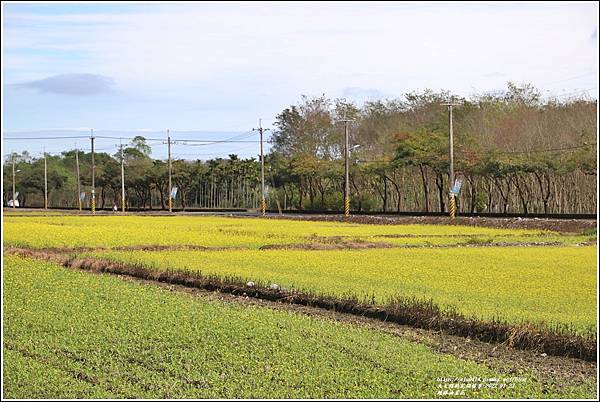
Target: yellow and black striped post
{"x": 452, "y": 206}
{"x": 123, "y": 204}
{"x": 346, "y": 206}
{"x": 263, "y": 207}
{"x": 93, "y": 174}
{"x": 45, "y": 181}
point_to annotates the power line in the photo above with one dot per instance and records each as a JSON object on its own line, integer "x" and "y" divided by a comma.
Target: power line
{"x": 210, "y": 142}
{"x": 216, "y": 154}
{"x": 240, "y": 138}
{"x": 184, "y": 142}
{"x": 232, "y": 139}
{"x": 235, "y": 138}
{"x": 45, "y": 138}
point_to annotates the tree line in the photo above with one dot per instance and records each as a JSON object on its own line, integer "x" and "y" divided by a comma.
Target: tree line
{"x": 514, "y": 152}
{"x": 218, "y": 183}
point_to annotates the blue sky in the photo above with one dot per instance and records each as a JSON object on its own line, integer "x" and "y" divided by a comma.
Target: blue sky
{"x": 217, "y": 68}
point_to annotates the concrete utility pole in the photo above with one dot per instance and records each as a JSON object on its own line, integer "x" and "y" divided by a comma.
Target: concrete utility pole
{"x": 122, "y": 179}
{"x": 45, "y": 180}
{"x": 78, "y": 180}
{"x": 93, "y": 174}
{"x": 346, "y": 167}
{"x": 263, "y": 203}
{"x": 170, "y": 189}
{"x": 452, "y": 199}
{"x": 13, "y": 180}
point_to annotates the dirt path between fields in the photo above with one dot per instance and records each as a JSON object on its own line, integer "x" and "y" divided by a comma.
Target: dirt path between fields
{"x": 147, "y": 247}
{"x": 558, "y": 225}
{"x": 354, "y": 245}
{"x": 324, "y": 243}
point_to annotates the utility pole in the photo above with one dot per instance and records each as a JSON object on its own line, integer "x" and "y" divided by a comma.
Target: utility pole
{"x": 170, "y": 189}
{"x": 452, "y": 196}
{"x": 346, "y": 167}
{"x": 263, "y": 203}
{"x": 45, "y": 180}
{"x": 93, "y": 174}
{"x": 122, "y": 179}
{"x": 13, "y": 180}
{"x": 78, "y": 180}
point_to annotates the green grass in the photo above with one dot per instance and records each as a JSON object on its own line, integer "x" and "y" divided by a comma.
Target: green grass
{"x": 72, "y": 334}
{"x": 554, "y": 285}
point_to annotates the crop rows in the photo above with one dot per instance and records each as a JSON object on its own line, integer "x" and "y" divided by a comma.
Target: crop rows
{"x": 552, "y": 285}
{"x": 72, "y": 334}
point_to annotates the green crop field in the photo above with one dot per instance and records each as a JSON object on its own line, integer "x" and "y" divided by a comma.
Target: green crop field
{"x": 77, "y": 334}
{"x": 72, "y": 334}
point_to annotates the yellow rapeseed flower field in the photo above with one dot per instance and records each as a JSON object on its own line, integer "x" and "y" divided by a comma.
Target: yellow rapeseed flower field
{"x": 89, "y": 231}
{"x": 554, "y": 285}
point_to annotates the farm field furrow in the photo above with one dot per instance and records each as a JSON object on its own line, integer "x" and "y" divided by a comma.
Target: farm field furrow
{"x": 74, "y": 334}
{"x": 481, "y": 239}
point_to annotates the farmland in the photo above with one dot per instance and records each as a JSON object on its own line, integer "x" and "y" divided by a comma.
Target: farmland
{"x": 164, "y": 343}
{"x": 553, "y": 284}
{"x": 113, "y": 231}
{"x": 550, "y": 285}
{"x": 70, "y": 334}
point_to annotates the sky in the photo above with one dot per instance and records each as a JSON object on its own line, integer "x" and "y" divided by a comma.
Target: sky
{"x": 211, "y": 70}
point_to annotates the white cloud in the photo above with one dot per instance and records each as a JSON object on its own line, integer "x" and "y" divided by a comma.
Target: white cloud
{"x": 312, "y": 47}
